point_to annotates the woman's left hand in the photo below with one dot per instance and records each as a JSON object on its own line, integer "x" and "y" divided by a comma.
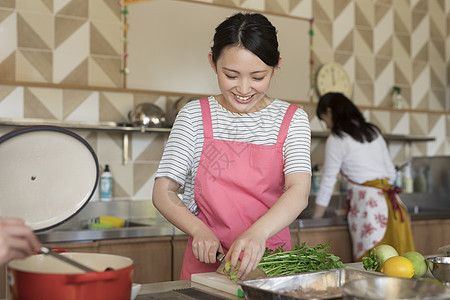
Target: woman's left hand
{"x": 252, "y": 246}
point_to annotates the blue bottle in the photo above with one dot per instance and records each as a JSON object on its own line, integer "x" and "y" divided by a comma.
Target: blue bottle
{"x": 106, "y": 182}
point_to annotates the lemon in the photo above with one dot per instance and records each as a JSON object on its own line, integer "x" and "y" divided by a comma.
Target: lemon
{"x": 398, "y": 266}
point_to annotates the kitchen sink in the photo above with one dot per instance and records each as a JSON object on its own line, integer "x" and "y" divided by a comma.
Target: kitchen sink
{"x": 88, "y": 225}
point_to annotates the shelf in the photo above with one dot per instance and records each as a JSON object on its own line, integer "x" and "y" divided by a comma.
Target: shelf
{"x": 100, "y": 126}
{"x": 126, "y": 128}
{"x": 408, "y": 138}
{"x": 387, "y": 137}
{"x": 123, "y": 128}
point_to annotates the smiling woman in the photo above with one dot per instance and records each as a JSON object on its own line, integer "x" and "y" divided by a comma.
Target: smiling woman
{"x": 242, "y": 157}
{"x": 169, "y": 45}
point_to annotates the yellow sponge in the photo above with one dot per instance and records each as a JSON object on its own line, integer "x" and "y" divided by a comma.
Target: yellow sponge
{"x": 113, "y": 221}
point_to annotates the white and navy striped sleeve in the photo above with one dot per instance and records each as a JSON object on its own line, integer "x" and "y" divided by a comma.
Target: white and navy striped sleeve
{"x": 297, "y": 146}
{"x": 178, "y": 156}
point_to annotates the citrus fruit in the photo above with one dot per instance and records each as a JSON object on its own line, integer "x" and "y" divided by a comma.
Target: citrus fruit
{"x": 398, "y": 266}
{"x": 417, "y": 259}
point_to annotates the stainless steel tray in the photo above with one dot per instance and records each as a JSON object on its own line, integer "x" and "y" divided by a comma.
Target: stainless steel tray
{"x": 314, "y": 285}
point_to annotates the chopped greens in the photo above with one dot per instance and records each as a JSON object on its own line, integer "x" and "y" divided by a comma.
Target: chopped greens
{"x": 299, "y": 260}
{"x": 231, "y": 274}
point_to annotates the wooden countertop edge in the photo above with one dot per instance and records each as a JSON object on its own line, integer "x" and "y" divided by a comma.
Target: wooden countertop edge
{"x": 167, "y": 286}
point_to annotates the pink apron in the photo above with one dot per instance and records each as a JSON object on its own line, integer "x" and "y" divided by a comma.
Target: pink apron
{"x": 236, "y": 184}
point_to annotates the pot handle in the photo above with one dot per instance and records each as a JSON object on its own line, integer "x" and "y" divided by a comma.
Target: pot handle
{"x": 58, "y": 250}
{"x": 92, "y": 276}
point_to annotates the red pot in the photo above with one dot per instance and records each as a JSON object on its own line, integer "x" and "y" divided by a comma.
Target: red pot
{"x": 47, "y": 278}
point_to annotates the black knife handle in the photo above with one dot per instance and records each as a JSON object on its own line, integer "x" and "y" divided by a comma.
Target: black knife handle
{"x": 220, "y": 256}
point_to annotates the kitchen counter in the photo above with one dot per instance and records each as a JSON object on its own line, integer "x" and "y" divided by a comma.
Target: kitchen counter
{"x": 179, "y": 289}
{"x": 70, "y": 232}
{"x": 159, "y": 290}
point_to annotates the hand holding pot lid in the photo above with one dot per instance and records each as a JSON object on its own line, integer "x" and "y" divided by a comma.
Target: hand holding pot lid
{"x": 17, "y": 240}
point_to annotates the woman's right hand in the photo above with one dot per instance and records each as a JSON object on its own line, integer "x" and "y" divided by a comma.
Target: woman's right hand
{"x": 205, "y": 245}
{"x": 17, "y": 240}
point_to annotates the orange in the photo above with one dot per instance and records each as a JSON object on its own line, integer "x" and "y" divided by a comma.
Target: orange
{"x": 398, "y": 266}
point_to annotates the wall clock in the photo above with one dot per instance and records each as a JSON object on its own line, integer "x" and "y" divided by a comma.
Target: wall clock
{"x": 332, "y": 77}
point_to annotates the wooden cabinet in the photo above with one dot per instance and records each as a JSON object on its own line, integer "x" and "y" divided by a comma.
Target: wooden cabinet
{"x": 152, "y": 257}
{"x": 3, "y": 282}
{"x": 178, "y": 248}
{"x": 429, "y": 235}
{"x": 90, "y": 247}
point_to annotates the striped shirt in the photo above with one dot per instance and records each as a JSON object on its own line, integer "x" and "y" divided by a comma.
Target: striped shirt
{"x": 181, "y": 156}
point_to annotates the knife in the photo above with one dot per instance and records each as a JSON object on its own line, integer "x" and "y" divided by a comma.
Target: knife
{"x": 220, "y": 257}
{"x": 255, "y": 274}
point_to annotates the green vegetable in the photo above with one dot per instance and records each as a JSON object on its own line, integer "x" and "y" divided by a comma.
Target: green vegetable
{"x": 419, "y": 262}
{"x": 299, "y": 260}
{"x": 231, "y": 274}
{"x": 378, "y": 256}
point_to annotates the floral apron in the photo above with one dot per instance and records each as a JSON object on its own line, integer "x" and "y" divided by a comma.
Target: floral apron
{"x": 236, "y": 183}
{"x": 376, "y": 216}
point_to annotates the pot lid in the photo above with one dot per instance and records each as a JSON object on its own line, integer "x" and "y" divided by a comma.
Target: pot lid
{"x": 47, "y": 175}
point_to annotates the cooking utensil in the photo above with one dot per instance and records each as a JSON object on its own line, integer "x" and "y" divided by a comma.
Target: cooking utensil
{"x": 47, "y": 251}
{"x": 393, "y": 288}
{"x": 440, "y": 268}
{"x": 311, "y": 285}
{"x": 40, "y": 277}
{"x": 147, "y": 115}
{"x": 48, "y": 174}
{"x": 220, "y": 257}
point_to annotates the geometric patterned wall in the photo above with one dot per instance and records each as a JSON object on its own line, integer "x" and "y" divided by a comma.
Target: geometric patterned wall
{"x": 387, "y": 43}
{"x": 64, "y": 43}
{"x": 133, "y": 180}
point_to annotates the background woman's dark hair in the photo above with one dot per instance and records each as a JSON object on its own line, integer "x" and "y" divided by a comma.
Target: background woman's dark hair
{"x": 346, "y": 118}
{"x": 252, "y": 31}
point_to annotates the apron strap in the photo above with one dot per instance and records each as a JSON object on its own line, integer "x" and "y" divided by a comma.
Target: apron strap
{"x": 206, "y": 116}
{"x": 282, "y": 134}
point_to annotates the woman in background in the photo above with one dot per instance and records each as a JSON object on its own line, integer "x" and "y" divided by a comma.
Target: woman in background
{"x": 242, "y": 157}
{"x": 357, "y": 149}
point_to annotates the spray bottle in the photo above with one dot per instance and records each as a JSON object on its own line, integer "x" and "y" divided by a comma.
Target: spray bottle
{"x": 106, "y": 182}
